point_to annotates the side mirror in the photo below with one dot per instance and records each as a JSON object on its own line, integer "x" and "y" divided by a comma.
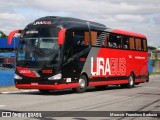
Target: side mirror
{"x": 61, "y": 36}
{"x": 11, "y": 35}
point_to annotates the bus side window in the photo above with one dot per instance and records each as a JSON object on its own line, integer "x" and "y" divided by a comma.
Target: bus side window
{"x": 94, "y": 37}
{"x": 125, "y": 42}
{"x": 138, "y": 44}
{"x": 131, "y": 43}
{"x": 105, "y": 40}
{"x": 114, "y": 41}
{"x": 110, "y": 45}
{"x": 86, "y": 38}
{"x": 110, "y": 41}
{"x": 80, "y": 40}
{"x": 144, "y": 45}
{"x": 101, "y": 39}
{"x": 118, "y": 41}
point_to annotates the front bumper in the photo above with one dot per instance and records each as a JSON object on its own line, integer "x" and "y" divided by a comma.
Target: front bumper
{"x": 46, "y": 86}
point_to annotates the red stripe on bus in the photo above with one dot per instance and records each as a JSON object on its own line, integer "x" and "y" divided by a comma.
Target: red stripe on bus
{"x": 47, "y": 87}
{"x": 108, "y": 82}
{"x": 123, "y": 32}
{"x": 140, "y": 80}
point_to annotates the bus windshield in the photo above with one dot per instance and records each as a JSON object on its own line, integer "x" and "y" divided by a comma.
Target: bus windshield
{"x": 38, "y": 48}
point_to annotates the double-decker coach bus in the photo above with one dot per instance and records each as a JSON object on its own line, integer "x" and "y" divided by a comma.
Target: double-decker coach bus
{"x": 59, "y": 53}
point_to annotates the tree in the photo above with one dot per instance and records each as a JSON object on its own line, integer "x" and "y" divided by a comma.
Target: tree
{"x": 152, "y": 48}
{"x": 3, "y": 35}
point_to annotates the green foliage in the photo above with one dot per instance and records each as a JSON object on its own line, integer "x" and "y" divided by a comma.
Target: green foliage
{"x": 152, "y": 48}
{"x": 155, "y": 73}
{"x": 155, "y": 60}
{"x": 3, "y": 35}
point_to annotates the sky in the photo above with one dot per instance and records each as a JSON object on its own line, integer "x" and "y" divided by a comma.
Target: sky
{"x": 142, "y": 16}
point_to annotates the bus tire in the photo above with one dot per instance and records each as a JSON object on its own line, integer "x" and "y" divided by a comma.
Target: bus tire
{"x": 102, "y": 87}
{"x": 82, "y": 85}
{"x": 147, "y": 78}
{"x": 131, "y": 81}
{"x": 123, "y": 85}
{"x": 44, "y": 91}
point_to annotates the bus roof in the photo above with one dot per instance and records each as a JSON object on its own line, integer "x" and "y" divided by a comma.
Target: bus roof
{"x": 123, "y": 32}
{"x": 66, "y": 22}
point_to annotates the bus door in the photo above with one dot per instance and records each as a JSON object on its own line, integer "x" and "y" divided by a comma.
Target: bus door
{"x": 67, "y": 66}
{"x": 80, "y": 50}
{"x": 76, "y": 49}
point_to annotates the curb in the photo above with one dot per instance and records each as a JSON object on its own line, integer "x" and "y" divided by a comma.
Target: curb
{"x": 12, "y": 92}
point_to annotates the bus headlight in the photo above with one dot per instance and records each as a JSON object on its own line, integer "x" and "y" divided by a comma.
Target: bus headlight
{"x": 17, "y": 77}
{"x": 55, "y": 77}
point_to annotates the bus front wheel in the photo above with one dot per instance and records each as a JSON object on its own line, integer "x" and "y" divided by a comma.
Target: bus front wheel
{"x": 82, "y": 85}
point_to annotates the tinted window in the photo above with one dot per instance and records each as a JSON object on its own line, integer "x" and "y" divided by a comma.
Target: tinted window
{"x": 98, "y": 38}
{"x": 41, "y": 32}
{"x": 144, "y": 45}
{"x": 138, "y": 44}
{"x": 81, "y": 38}
{"x": 125, "y": 43}
{"x": 105, "y": 40}
{"x": 114, "y": 41}
{"x": 131, "y": 43}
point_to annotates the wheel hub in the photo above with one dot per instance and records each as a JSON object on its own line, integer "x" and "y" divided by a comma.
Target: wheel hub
{"x": 131, "y": 80}
{"x": 82, "y": 83}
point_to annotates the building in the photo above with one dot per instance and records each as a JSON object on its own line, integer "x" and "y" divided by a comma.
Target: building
{"x": 154, "y": 54}
{"x": 7, "y": 54}
{"x": 154, "y": 60}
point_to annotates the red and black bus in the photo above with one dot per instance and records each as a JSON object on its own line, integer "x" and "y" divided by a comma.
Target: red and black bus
{"x": 60, "y": 52}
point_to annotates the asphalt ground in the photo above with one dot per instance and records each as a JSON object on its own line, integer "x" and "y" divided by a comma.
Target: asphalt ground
{"x": 92, "y": 105}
